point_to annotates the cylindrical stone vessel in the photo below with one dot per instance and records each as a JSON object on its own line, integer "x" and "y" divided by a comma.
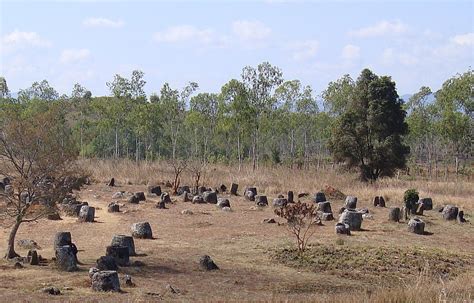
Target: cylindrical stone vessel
{"x": 394, "y": 214}
{"x": 325, "y": 207}
{"x": 233, "y": 189}
{"x": 106, "y": 280}
{"x": 261, "y": 200}
{"x": 62, "y": 238}
{"x": 87, "y": 214}
{"x": 142, "y": 230}
{"x": 352, "y": 218}
{"x": 123, "y": 240}
{"x": 351, "y": 202}
{"x": 416, "y": 226}
{"x": 65, "y": 258}
{"x": 120, "y": 254}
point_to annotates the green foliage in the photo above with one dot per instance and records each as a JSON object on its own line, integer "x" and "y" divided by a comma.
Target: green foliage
{"x": 368, "y": 135}
{"x": 410, "y": 197}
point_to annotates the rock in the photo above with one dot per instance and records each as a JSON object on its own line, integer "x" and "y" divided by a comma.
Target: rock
{"x": 54, "y": 291}
{"x": 381, "y": 202}
{"x": 140, "y": 196}
{"x": 327, "y": 217}
{"x": 106, "y": 263}
{"x": 154, "y": 189}
{"x": 223, "y": 202}
{"x": 111, "y": 182}
{"x": 65, "y": 258}
{"x": 226, "y": 209}
{"x": 142, "y": 230}
{"x": 128, "y": 281}
{"x": 73, "y": 209}
{"x": 394, "y": 214}
{"x": 427, "y": 203}
{"x": 106, "y": 280}
{"x": 280, "y": 196}
{"x": 17, "y": 265}
{"x": 187, "y": 197}
{"x": 280, "y": 202}
{"x": 94, "y": 270}
{"x": 113, "y": 207}
{"x": 319, "y": 197}
{"x": 165, "y": 198}
{"x": 62, "y": 238}
{"x": 450, "y": 212}
{"x": 120, "y": 254}
{"x": 186, "y": 212}
{"x": 416, "y": 226}
{"x": 261, "y": 200}
{"x": 253, "y": 190}
{"x": 324, "y": 207}
{"x": 172, "y": 289}
{"x": 133, "y": 199}
{"x": 161, "y": 205}
{"x": 198, "y": 199}
{"x": 209, "y": 197}
{"x": 118, "y": 195}
{"x": 9, "y": 190}
{"x": 419, "y": 209}
{"x": 461, "y": 217}
{"x": 223, "y": 188}
{"x": 367, "y": 216}
{"x": 183, "y": 189}
{"x": 351, "y": 202}
{"x": 33, "y": 257}
{"x": 201, "y": 189}
{"x": 123, "y": 240}
{"x": 291, "y": 197}
{"x": 28, "y": 244}
{"x": 86, "y": 214}
{"x": 343, "y": 229}
{"x": 54, "y": 216}
{"x": 301, "y": 195}
{"x": 233, "y": 189}
{"x": 207, "y": 263}
{"x": 352, "y": 218}
{"x": 271, "y": 220}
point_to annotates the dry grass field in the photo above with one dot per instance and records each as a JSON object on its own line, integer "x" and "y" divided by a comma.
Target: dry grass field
{"x": 381, "y": 263}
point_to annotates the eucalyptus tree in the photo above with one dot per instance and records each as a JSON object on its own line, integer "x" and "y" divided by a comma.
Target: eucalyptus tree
{"x": 260, "y": 84}
{"x": 38, "y": 90}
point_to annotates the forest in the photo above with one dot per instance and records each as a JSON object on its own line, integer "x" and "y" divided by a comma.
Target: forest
{"x": 261, "y": 119}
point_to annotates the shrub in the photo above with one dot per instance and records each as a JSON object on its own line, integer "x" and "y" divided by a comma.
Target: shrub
{"x": 300, "y": 218}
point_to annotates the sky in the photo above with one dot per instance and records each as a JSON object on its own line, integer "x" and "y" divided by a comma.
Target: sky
{"x": 418, "y": 43}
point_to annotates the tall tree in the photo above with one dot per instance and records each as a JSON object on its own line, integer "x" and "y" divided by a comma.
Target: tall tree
{"x": 260, "y": 83}
{"x": 38, "y": 90}
{"x": 368, "y": 135}
{"x": 4, "y": 91}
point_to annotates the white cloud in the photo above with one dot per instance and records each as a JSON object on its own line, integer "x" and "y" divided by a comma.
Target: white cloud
{"x": 184, "y": 33}
{"x": 380, "y": 29}
{"x": 18, "y": 39}
{"x": 251, "y": 31}
{"x": 305, "y": 49}
{"x": 464, "y": 40}
{"x": 74, "y": 55}
{"x": 350, "y": 52}
{"x": 102, "y": 22}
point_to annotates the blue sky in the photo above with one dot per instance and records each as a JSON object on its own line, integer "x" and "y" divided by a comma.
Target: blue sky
{"x": 416, "y": 42}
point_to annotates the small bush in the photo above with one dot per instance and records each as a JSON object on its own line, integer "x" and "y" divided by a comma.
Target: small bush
{"x": 410, "y": 197}
{"x": 300, "y": 217}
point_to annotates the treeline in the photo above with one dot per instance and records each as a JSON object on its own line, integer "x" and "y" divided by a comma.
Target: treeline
{"x": 260, "y": 119}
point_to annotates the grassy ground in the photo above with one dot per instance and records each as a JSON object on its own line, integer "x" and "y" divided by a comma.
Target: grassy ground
{"x": 382, "y": 263}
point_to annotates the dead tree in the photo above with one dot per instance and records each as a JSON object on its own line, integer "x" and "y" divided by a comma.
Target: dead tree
{"x": 37, "y": 156}
{"x": 196, "y": 168}
{"x": 178, "y": 165}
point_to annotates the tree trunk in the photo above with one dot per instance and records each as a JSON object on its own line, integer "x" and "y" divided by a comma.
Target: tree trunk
{"x": 238, "y": 151}
{"x": 11, "y": 240}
